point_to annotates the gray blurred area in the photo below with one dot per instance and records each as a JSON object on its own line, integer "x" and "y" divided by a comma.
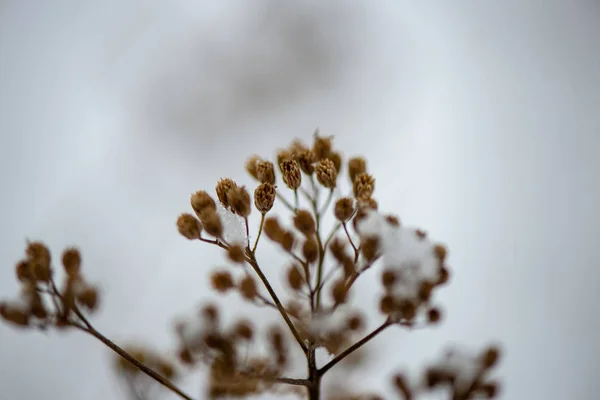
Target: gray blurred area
{"x": 480, "y": 120}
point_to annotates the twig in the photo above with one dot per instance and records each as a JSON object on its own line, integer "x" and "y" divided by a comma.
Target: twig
{"x": 354, "y": 347}
{"x": 254, "y": 264}
{"x": 260, "y": 229}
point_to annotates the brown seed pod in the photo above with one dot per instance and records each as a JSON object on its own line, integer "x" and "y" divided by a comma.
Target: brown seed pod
{"x": 222, "y": 281}
{"x": 223, "y": 187}
{"x": 189, "y": 226}
{"x": 304, "y": 222}
{"x": 264, "y": 197}
{"x": 326, "y": 173}
{"x": 344, "y": 209}
{"x": 248, "y": 288}
{"x": 292, "y": 176}
{"x": 356, "y": 166}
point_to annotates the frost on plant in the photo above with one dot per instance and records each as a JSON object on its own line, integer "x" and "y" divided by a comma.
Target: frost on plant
{"x": 321, "y": 263}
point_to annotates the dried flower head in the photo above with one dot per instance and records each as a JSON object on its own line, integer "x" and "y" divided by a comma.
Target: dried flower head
{"x": 264, "y": 197}
{"x": 304, "y": 222}
{"x": 248, "y": 288}
{"x": 336, "y": 158}
{"x": 344, "y": 209}
{"x": 223, "y": 187}
{"x": 272, "y": 229}
{"x": 322, "y": 146}
{"x": 292, "y": 176}
{"x": 201, "y": 201}
{"x": 211, "y": 222}
{"x": 38, "y": 256}
{"x": 222, "y": 281}
{"x": 363, "y": 186}
{"x": 236, "y": 253}
{"x": 239, "y": 201}
{"x": 265, "y": 171}
{"x": 356, "y": 166}
{"x": 306, "y": 159}
{"x": 188, "y": 226}
{"x": 326, "y": 173}
{"x": 294, "y": 277}
{"x": 310, "y": 250}
{"x": 71, "y": 260}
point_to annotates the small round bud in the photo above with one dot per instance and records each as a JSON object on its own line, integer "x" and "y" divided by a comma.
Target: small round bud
{"x": 39, "y": 257}
{"x": 304, "y": 222}
{"x": 306, "y": 160}
{"x": 490, "y": 357}
{"x": 356, "y": 166}
{"x": 291, "y": 173}
{"x": 222, "y": 281}
{"x": 393, "y": 220}
{"x": 252, "y": 166}
{"x": 188, "y": 226}
{"x": 326, "y": 173}
{"x": 344, "y": 209}
{"x": 370, "y": 248}
{"x": 336, "y": 158}
{"x": 223, "y": 187}
{"x": 388, "y": 278}
{"x": 355, "y": 323}
{"x": 88, "y": 298}
{"x": 441, "y": 252}
{"x": 264, "y": 197}
{"x": 24, "y": 271}
{"x": 287, "y": 240}
{"x": 71, "y": 260}
{"x": 444, "y": 276}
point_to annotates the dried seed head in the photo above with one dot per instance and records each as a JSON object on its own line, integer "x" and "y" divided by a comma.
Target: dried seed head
{"x": 282, "y": 156}
{"x": 265, "y": 171}
{"x": 337, "y": 248}
{"x": 393, "y": 220}
{"x": 363, "y": 186}
{"x": 264, "y": 197}
{"x": 210, "y": 313}
{"x": 202, "y": 201}
{"x": 14, "y": 315}
{"x": 356, "y": 166}
{"x": 71, "y": 260}
{"x": 322, "y": 146}
{"x": 223, "y": 187}
{"x": 387, "y": 304}
{"x": 441, "y": 252}
{"x": 166, "y": 369}
{"x": 425, "y": 290}
{"x": 222, "y": 281}
{"x": 248, "y": 288}
{"x": 243, "y": 329}
{"x": 310, "y": 250}
{"x": 211, "y": 222}
{"x": 88, "y": 298}
{"x": 490, "y": 357}
{"x": 326, "y": 173}
{"x": 434, "y": 315}
{"x": 339, "y": 291}
{"x": 239, "y": 200}
{"x": 294, "y": 278}
{"x": 306, "y": 159}
{"x": 272, "y": 229}
{"x": 39, "y": 257}
{"x": 369, "y": 203}
{"x": 287, "y": 240}
{"x": 236, "y": 253}
{"x": 344, "y": 209}
{"x": 355, "y": 322}
{"x": 189, "y": 226}
{"x": 24, "y": 271}
{"x": 388, "y": 278}
{"x": 336, "y": 158}
{"x": 370, "y": 248}
{"x": 304, "y": 222}
{"x": 291, "y": 173}
{"x": 251, "y": 166}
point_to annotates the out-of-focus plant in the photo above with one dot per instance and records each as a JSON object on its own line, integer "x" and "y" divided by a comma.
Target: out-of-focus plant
{"x": 323, "y": 264}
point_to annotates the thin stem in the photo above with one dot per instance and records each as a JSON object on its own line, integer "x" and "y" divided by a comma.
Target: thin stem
{"x": 354, "y": 347}
{"x": 247, "y": 232}
{"x": 254, "y": 264}
{"x": 286, "y": 203}
{"x": 148, "y": 371}
{"x": 351, "y": 242}
{"x": 327, "y": 202}
{"x": 332, "y": 234}
{"x": 260, "y": 229}
{"x": 296, "y": 200}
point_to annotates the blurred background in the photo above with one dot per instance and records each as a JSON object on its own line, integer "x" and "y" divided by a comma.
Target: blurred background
{"x": 480, "y": 121}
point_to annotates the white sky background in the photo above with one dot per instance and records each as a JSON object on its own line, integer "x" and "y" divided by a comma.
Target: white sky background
{"x": 481, "y": 121}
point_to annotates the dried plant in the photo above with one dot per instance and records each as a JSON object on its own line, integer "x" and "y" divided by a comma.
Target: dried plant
{"x": 323, "y": 264}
